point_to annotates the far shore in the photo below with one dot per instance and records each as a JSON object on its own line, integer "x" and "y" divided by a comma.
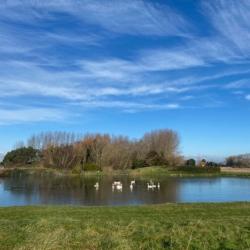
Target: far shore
{"x": 234, "y": 170}
{"x": 153, "y": 171}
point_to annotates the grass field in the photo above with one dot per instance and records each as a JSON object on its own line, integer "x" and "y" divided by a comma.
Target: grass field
{"x": 169, "y": 226}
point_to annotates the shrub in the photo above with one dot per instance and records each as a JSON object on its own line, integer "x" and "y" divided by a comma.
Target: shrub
{"x": 154, "y": 159}
{"x": 212, "y": 164}
{"x": 21, "y": 156}
{"x": 78, "y": 169}
{"x": 91, "y": 167}
{"x": 139, "y": 164}
{"x": 190, "y": 163}
{"x": 199, "y": 169}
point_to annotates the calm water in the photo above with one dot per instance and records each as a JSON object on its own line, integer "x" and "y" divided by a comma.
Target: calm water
{"x": 21, "y": 189}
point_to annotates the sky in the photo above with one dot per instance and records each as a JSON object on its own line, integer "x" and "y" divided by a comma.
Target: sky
{"x": 127, "y": 67}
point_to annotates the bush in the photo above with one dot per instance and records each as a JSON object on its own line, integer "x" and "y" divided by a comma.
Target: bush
{"x": 154, "y": 159}
{"x": 91, "y": 167}
{"x": 78, "y": 169}
{"x": 197, "y": 170}
{"x": 139, "y": 164}
{"x": 190, "y": 163}
{"x": 21, "y": 156}
{"x": 212, "y": 164}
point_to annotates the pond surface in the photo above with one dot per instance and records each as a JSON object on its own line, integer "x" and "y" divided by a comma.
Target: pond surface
{"x": 22, "y": 189}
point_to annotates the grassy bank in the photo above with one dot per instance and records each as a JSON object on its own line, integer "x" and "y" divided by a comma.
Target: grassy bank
{"x": 192, "y": 226}
{"x": 147, "y": 172}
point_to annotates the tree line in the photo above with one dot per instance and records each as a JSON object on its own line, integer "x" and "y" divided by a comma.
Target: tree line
{"x": 97, "y": 151}
{"x": 238, "y": 161}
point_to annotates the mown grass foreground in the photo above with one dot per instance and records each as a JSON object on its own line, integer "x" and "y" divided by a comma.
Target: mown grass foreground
{"x": 170, "y": 226}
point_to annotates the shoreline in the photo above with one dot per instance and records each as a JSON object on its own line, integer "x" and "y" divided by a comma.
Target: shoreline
{"x": 141, "y": 172}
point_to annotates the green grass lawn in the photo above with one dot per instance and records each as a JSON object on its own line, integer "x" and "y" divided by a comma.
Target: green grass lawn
{"x": 170, "y": 226}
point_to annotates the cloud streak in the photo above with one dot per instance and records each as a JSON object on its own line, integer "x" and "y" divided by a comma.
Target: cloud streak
{"x": 125, "y": 17}
{"x": 248, "y": 97}
{"x": 28, "y": 114}
{"x": 130, "y": 106}
{"x": 231, "y": 19}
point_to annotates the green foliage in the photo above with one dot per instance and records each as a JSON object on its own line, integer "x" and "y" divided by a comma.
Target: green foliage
{"x": 199, "y": 170}
{"x": 190, "y": 163}
{"x": 90, "y": 167}
{"x": 78, "y": 169}
{"x": 212, "y": 164}
{"x": 150, "y": 172}
{"x": 139, "y": 164}
{"x": 21, "y": 156}
{"x": 154, "y": 159}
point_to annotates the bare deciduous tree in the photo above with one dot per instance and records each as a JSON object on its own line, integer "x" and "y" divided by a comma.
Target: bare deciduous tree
{"x": 165, "y": 142}
{"x": 62, "y": 149}
{"x": 64, "y": 157}
{"x": 238, "y": 161}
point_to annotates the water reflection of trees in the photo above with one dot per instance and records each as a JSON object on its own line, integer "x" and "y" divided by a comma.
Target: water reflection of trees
{"x": 50, "y": 189}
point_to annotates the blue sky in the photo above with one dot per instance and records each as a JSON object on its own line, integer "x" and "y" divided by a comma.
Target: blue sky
{"x": 127, "y": 67}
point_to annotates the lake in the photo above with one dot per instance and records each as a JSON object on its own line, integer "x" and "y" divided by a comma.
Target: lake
{"x": 23, "y": 189}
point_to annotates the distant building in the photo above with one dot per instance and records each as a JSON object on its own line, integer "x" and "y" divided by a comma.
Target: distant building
{"x": 203, "y": 163}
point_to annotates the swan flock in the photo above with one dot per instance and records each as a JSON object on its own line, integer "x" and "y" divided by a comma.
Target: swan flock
{"x": 118, "y": 186}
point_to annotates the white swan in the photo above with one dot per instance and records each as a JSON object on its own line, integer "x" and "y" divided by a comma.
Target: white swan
{"x": 119, "y": 187}
{"x": 151, "y": 185}
{"x": 96, "y": 186}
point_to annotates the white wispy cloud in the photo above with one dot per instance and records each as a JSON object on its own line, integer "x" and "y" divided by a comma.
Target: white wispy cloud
{"x": 199, "y": 54}
{"x": 26, "y": 88}
{"x": 17, "y": 88}
{"x": 16, "y": 40}
{"x": 187, "y": 97}
{"x": 128, "y": 105}
{"x": 238, "y": 92}
{"x": 35, "y": 68}
{"x": 247, "y": 97}
{"x": 136, "y": 17}
{"x": 166, "y": 59}
{"x": 231, "y": 19}
{"x": 28, "y": 114}
{"x": 83, "y": 84}
{"x": 243, "y": 83}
